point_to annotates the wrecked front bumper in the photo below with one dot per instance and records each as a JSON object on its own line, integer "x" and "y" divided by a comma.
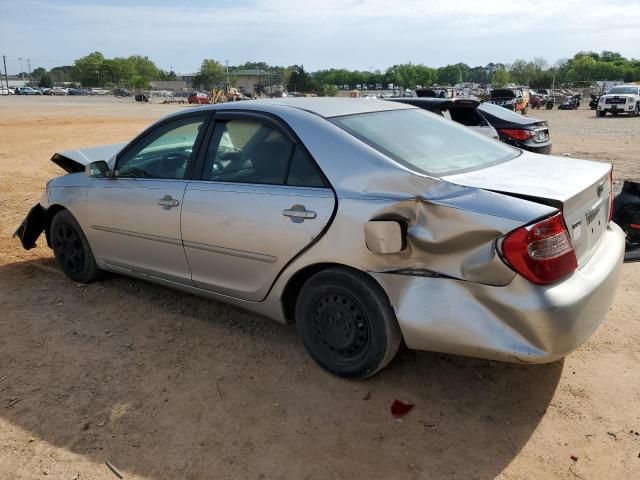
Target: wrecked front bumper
{"x": 31, "y": 227}
{"x": 519, "y": 322}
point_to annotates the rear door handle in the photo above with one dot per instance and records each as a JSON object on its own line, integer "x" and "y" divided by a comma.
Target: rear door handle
{"x": 298, "y": 214}
{"x": 167, "y": 202}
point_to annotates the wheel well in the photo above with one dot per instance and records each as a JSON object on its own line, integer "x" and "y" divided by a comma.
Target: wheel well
{"x": 50, "y": 213}
{"x": 291, "y": 291}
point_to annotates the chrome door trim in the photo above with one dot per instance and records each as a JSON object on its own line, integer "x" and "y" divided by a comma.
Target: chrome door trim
{"x": 145, "y": 236}
{"x": 260, "y": 257}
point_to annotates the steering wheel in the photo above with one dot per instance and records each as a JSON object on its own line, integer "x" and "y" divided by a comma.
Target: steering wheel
{"x": 170, "y": 165}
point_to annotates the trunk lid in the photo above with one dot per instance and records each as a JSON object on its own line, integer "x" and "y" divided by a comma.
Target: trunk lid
{"x": 579, "y": 188}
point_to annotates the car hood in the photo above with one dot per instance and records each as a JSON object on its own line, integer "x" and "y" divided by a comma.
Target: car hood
{"x": 73, "y": 161}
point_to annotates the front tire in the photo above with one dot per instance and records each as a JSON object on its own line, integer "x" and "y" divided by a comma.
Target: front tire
{"x": 71, "y": 249}
{"x": 601, "y": 113}
{"x": 346, "y": 323}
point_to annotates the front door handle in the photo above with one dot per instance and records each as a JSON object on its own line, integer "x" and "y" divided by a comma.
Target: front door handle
{"x": 167, "y": 202}
{"x": 298, "y": 214}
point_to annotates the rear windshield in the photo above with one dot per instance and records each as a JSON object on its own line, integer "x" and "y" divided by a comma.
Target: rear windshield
{"x": 500, "y": 112}
{"x": 425, "y": 142}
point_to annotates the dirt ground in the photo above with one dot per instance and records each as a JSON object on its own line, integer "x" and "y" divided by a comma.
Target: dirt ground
{"x": 168, "y": 385}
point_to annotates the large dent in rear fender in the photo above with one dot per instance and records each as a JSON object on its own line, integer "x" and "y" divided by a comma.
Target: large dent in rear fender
{"x": 442, "y": 240}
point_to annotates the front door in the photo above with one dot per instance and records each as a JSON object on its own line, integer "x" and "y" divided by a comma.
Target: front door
{"x": 134, "y": 218}
{"x": 259, "y": 202}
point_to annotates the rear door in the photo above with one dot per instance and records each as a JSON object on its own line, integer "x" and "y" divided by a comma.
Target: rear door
{"x": 134, "y": 217}
{"x": 260, "y": 200}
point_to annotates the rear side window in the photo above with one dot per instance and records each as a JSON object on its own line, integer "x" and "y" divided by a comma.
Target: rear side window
{"x": 469, "y": 117}
{"x": 425, "y": 142}
{"x": 303, "y": 172}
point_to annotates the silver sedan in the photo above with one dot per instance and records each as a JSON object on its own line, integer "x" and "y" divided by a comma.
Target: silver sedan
{"x": 364, "y": 222}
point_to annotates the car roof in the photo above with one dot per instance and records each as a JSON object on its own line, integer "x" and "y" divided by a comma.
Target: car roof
{"x": 462, "y": 101}
{"x": 326, "y": 107}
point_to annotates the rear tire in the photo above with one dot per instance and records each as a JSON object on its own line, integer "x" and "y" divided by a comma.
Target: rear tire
{"x": 346, "y": 323}
{"x": 71, "y": 249}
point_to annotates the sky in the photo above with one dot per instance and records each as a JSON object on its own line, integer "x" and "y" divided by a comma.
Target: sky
{"x": 354, "y": 34}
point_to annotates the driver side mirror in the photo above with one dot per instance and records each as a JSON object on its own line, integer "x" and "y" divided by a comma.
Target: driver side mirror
{"x": 98, "y": 169}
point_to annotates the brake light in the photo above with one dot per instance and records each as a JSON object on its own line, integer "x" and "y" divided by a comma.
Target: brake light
{"x": 611, "y": 194}
{"x": 542, "y": 252}
{"x": 518, "y": 134}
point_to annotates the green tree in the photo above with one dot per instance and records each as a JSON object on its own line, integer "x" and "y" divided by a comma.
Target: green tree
{"x": 299, "y": 80}
{"x": 210, "y": 74}
{"x": 46, "y": 80}
{"x": 86, "y": 70}
{"x": 449, "y": 75}
{"x": 138, "y": 82}
{"x": 143, "y": 67}
{"x": 500, "y": 77}
{"x": 329, "y": 90}
{"x": 582, "y": 68}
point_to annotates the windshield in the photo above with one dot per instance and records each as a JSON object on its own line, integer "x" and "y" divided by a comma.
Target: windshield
{"x": 623, "y": 90}
{"x": 425, "y": 142}
{"x": 503, "y": 93}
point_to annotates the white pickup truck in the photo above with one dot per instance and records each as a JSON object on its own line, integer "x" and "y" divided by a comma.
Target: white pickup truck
{"x": 620, "y": 99}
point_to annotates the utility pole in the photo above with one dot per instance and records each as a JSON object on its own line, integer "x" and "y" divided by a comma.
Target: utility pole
{"x": 21, "y": 69}
{"x": 29, "y": 67}
{"x": 6, "y": 78}
{"x": 226, "y": 63}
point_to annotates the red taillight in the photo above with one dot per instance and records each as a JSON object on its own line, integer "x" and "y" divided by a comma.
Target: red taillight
{"x": 518, "y": 134}
{"x": 611, "y": 194}
{"x": 542, "y": 252}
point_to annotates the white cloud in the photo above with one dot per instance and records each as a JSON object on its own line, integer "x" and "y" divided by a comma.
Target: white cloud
{"x": 320, "y": 34}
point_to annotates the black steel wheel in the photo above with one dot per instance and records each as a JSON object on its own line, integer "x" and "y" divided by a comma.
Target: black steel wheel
{"x": 346, "y": 323}
{"x": 340, "y": 327}
{"x": 67, "y": 248}
{"x": 71, "y": 248}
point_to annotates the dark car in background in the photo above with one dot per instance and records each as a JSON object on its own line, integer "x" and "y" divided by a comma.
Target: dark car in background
{"x": 461, "y": 110}
{"x": 121, "y": 92}
{"x": 523, "y": 132}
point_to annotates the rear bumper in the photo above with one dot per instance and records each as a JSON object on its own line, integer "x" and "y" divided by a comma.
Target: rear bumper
{"x": 542, "y": 148}
{"x": 520, "y": 322}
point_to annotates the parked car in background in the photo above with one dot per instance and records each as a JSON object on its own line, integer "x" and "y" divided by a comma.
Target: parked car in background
{"x": 27, "y": 91}
{"x": 523, "y": 132}
{"x": 99, "y": 91}
{"x": 571, "y": 102}
{"x": 79, "y": 91}
{"x": 58, "y": 91}
{"x": 509, "y": 98}
{"x": 461, "y": 110}
{"x": 364, "y": 222}
{"x": 122, "y": 92}
{"x": 5, "y": 91}
{"x": 620, "y": 99}
{"x": 199, "y": 97}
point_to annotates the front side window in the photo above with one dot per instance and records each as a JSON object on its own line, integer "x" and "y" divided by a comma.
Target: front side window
{"x": 164, "y": 153}
{"x": 425, "y": 142}
{"x": 247, "y": 151}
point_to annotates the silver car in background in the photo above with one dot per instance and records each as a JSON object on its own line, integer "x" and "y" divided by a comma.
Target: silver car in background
{"x": 365, "y": 222}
